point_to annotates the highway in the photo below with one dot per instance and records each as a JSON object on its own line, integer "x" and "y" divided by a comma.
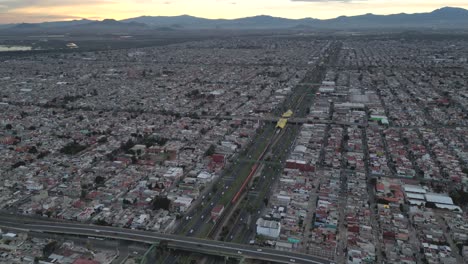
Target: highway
{"x": 274, "y": 119}
{"x": 241, "y": 229}
{"x": 226, "y": 182}
{"x": 26, "y": 224}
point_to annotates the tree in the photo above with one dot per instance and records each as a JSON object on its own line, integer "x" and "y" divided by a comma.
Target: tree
{"x": 163, "y": 246}
{"x": 8, "y": 127}
{"x": 83, "y": 194}
{"x": 161, "y": 203}
{"x": 465, "y": 170}
{"x": 102, "y": 222}
{"x": 43, "y": 154}
{"x": 203, "y": 131}
{"x": 402, "y": 208}
{"x": 127, "y": 145}
{"x": 459, "y": 197}
{"x": 72, "y": 148}
{"x": 210, "y": 151}
{"x": 32, "y": 150}
{"x": 18, "y": 164}
{"x": 49, "y": 248}
{"x": 99, "y": 180}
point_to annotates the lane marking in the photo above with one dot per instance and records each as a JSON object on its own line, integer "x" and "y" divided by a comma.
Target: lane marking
{"x": 184, "y": 241}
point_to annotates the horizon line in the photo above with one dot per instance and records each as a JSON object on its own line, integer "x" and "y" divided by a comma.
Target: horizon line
{"x": 102, "y": 19}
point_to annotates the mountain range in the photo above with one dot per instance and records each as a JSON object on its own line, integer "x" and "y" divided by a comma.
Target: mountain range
{"x": 444, "y": 18}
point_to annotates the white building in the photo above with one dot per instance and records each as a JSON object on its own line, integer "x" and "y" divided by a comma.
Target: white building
{"x": 268, "y": 228}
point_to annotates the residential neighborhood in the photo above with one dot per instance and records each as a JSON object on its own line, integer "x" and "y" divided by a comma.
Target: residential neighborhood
{"x": 353, "y": 150}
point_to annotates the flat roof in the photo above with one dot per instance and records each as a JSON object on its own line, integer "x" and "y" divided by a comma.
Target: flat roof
{"x": 439, "y": 198}
{"x": 413, "y": 189}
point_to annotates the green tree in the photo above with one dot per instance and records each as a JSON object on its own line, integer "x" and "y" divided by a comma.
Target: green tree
{"x": 160, "y": 202}
{"x": 210, "y": 151}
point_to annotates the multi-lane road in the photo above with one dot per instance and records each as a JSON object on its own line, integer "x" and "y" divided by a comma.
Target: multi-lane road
{"x": 26, "y": 224}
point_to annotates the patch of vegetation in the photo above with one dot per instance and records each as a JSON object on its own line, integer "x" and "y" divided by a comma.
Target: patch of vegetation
{"x": 161, "y": 203}
{"x": 210, "y": 151}
{"x": 72, "y": 148}
{"x": 459, "y": 197}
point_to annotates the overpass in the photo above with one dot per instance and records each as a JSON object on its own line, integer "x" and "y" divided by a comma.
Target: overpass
{"x": 45, "y": 225}
{"x": 292, "y": 120}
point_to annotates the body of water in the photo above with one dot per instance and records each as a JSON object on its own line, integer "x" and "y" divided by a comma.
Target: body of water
{"x": 14, "y": 48}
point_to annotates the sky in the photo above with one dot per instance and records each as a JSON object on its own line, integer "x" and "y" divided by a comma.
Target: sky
{"x": 29, "y": 11}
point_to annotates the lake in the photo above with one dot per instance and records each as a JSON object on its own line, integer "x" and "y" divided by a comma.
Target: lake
{"x": 14, "y": 48}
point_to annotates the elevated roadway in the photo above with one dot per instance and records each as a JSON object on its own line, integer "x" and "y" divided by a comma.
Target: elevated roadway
{"x": 26, "y": 224}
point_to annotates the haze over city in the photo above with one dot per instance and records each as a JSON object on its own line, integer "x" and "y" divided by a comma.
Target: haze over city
{"x": 28, "y": 11}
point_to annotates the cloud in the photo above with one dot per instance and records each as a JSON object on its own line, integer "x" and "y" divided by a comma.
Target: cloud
{"x": 8, "y": 5}
{"x": 324, "y": 1}
{"x": 19, "y": 18}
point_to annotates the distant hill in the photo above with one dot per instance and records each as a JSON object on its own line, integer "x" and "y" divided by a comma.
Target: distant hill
{"x": 447, "y": 17}
{"x": 77, "y": 26}
{"x": 190, "y": 22}
{"x": 65, "y": 23}
{"x": 113, "y": 23}
{"x": 26, "y": 26}
{"x": 444, "y": 18}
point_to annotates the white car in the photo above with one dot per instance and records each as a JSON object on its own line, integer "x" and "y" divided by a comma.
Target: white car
{"x": 239, "y": 252}
{"x": 259, "y": 250}
{"x": 292, "y": 260}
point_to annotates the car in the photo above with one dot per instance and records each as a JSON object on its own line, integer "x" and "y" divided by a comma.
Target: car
{"x": 292, "y": 260}
{"x": 259, "y": 249}
{"x": 239, "y": 252}
{"x": 97, "y": 231}
{"x": 191, "y": 231}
